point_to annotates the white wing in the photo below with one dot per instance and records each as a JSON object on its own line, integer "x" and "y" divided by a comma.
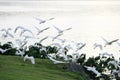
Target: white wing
{"x": 59, "y": 30}
{"x": 105, "y": 40}
{"x": 18, "y": 27}
{"x": 38, "y": 19}
{"x": 26, "y": 30}
{"x": 68, "y": 29}
{"x": 118, "y": 43}
{"x": 43, "y": 39}
{"x": 55, "y": 61}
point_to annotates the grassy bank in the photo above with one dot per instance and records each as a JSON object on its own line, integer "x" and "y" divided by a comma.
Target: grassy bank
{"x": 14, "y": 68}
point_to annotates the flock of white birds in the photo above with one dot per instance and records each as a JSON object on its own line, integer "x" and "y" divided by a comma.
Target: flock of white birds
{"x": 73, "y": 47}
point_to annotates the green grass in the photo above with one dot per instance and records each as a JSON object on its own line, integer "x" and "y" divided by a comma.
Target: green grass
{"x": 14, "y": 68}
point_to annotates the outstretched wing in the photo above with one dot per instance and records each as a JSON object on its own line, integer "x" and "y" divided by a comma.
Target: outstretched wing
{"x": 114, "y": 40}
{"x": 59, "y": 30}
{"x": 18, "y": 27}
{"x": 105, "y": 40}
{"x": 43, "y": 39}
{"x": 68, "y": 29}
{"x": 38, "y": 19}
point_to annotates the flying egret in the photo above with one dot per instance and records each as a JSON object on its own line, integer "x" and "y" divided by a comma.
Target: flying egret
{"x": 43, "y": 39}
{"x": 7, "y": 33}
{"x": 98, "y": 45}
{"x": 55, "y": 37}
{"x": 3, "y": 50}
{"x": 55, "y": 61}
{"x": 43, "y": 21}
{"x": 80, "y": 47}
{"x": 23, "y": 30}
{"x": 19, "y": 52}
{"x": 56, "y": 45}
{"x": 27, "y": 37}
{"x": 68, "y": 47}
{"x": 109, "y": 42}
{"x": 42, "y": 30}
{"x": 116, "y": 65}
{"x": 93, "y": 69}
{"x": 20, "y": 43}
{"x": 106, "y": 54}
{"x": 60, "y": 31}
{"x": 61, "y": 40}
{"x": 31, "y": 58}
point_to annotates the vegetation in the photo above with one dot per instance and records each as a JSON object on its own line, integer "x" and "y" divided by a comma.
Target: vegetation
{"x": 14, "y": 68}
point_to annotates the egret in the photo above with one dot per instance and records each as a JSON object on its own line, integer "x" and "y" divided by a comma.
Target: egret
{"x": 93, "y": 69}
{"x": 19, "y": 52}
{"x": 43, "y": 39}
{"x": 80, "y": 47}
{"x": 31, "y": 58}
{"x": 55, "y": 37}
{"x": 98, "y": 45}
{"x": 106, "y": 54}
{"x": 40, "y": 31}
{"x": 109, "y": 42}
{"x": 113, "y": 63}
{"x": 42, "y": 21}
{"x": 62, "y": 40}
{"x": 3, "y": 50}
{"x": 7, "y": 33}
{"x": 55, "y": 61}
{"x": 61, "y": 31}
{"x": 23, "y": 30}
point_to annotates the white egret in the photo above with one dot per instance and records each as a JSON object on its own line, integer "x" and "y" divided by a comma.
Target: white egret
{"x": 80, "y": 47}
{"x": 31, "y": 58}
{"x": 42, "y": 30}
{"x": 43, "y": 39}
{"x": 98, "y": 45}
{"x": 42, "y": 21}
{"x": 19, "y": 52}
{"x": 23, "y": 30}
{"x": 61, "y": 40}
{"x": 109, "y": 42}
{"x": 116, "y": 65}
{"x": 3, "y": 50}
{"x": 55, "y": 61}
{"x": 106, "y": 54}
{"x": 60, "y": 31}
{"x": 7, "y": 33}
{"x": 55, "y": 37}
{"x": 93, "y": 69}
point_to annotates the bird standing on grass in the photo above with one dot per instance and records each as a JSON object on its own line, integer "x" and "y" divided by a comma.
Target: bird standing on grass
{"x": 31, "y": 58}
